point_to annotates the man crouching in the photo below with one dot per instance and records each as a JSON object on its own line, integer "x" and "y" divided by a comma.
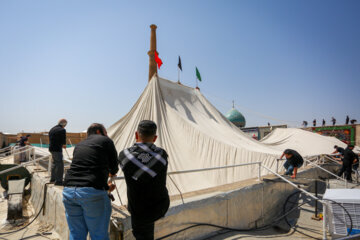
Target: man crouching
{"x": 145, "y": 167}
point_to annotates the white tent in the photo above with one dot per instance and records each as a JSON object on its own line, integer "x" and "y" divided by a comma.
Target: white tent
{"x": 305, "y": 142}
{"x": 195, "y": 135}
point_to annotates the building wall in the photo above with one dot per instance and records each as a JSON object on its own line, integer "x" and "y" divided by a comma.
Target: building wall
{"x": 43, "y": 138}
{"x": 260, "y": 132}
{"x": 6, "y": 139}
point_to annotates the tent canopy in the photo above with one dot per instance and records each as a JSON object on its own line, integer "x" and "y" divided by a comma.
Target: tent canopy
{"x": 194, "y": 134}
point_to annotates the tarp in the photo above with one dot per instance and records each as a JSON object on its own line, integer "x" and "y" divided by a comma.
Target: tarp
{"x": 195, "y": 135}
{"x": 305, "y": 142}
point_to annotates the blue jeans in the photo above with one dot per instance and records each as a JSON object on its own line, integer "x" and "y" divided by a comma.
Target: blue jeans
{"x": 87, "y": 210}
{"x": 290, "y": 168}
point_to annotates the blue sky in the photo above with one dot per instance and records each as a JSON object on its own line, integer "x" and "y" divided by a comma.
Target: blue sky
{"x": 87, "y": 60}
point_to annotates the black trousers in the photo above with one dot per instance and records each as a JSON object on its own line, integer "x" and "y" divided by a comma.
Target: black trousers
{"x": 347, "y": 170}
{"x": 142, "y": 230}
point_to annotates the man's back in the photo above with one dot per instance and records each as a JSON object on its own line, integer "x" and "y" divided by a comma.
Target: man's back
{"x": 296, "y": 158}
{"x": 57, "y": 138}
{"x": 93, "y": 159}
{"x": 349, "y": 157}
{"x": 22, "y": 141}
{"x": 147, "y": 194}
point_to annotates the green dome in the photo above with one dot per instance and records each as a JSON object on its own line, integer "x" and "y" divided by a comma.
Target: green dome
{"x": 236, "y": 118}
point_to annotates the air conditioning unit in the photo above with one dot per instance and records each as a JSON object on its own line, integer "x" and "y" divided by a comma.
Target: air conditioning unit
{"x": 337, "y": 219}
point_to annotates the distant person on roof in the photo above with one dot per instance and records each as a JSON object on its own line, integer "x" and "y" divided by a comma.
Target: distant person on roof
{"x": 145, "y": 169}
{"x": 24, "y": 140}
{"x": 293, "y": 162}
{"x": 333, "y": 120}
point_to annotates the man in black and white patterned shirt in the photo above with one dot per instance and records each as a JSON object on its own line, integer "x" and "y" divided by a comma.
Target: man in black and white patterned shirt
{"x": 145, "y": 168}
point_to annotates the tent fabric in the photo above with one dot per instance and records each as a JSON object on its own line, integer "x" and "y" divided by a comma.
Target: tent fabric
{"x": 305, "y": 142}
{"x": 195, "y": 135}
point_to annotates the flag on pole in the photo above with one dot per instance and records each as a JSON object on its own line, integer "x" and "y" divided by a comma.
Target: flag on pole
{"x": 179, "y": 64}
{"x": 198, "y": 74}
{"x": 158, "y": 60}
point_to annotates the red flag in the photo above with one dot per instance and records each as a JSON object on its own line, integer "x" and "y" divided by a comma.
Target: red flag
{"x": 158, "y": 60}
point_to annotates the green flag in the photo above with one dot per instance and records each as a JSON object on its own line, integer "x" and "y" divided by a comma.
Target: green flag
{"x": 198, "y": 74}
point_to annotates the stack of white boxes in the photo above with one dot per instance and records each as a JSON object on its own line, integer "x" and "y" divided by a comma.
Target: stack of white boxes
{"x": 338, "y": 220}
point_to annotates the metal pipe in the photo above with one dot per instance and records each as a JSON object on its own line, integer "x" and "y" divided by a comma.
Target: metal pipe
{"x": 202, "y": 169}
{"x": 70, "y": 142}
{"x": 316, "y": 202}
{"x": 23, "y": 164}
{"x": 293, "y": 184}
{"x": 327, "y": 171}
{"x": 324, "y": 222}
{"x": 213, "y": 168}
{"x": 259, "y": 173}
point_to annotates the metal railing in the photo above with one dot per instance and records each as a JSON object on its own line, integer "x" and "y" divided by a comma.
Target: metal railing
{"x": 29, "y": 149}
{"x": 308, "y": 161}
{"x": 259, "y": 178}
{"x": 207, "y": 169}
{"x": 25, "y": 164}
{"x": 5, "y": 149}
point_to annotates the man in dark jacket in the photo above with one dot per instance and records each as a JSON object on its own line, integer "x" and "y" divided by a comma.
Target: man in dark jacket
{"x": 57, "y": 140}
{"x": 145, "y": 168}
{"x": 339, "y": 150}
{"x": 85, "y": 196}
{"x": 24, "y": 140}
{"x": 349, "y": 159}
{"x": 293, "y": 162}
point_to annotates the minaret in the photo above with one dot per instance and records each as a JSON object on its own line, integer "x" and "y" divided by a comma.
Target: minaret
{"x": 151, "y": 53}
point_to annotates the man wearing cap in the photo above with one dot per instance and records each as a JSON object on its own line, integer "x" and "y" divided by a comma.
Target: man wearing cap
{"x": 349, "y": 159}
{"x": 57, "y": 140}
{"x": 293, "y": 162}
{"x": 145, "y": 168}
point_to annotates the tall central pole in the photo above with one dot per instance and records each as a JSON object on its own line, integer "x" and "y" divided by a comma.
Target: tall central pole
{"x": 151, "y": 53}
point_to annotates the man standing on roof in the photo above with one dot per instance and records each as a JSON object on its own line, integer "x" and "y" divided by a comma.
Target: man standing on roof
{"x": 333, "y": 120}
{"x": 314, "y": 123}
{"x": 145, "y": 168}
{"x": 24, "y": 140}
{"x": 293, "y": 162}
{"x": 57, "y": 139}
{"x": 349, "y": 159}
{"x": 22, "y": 143}
{"x": 85, "y": 196}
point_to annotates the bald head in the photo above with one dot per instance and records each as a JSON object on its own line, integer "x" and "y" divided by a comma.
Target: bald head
{"x": 62, "y": 122}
